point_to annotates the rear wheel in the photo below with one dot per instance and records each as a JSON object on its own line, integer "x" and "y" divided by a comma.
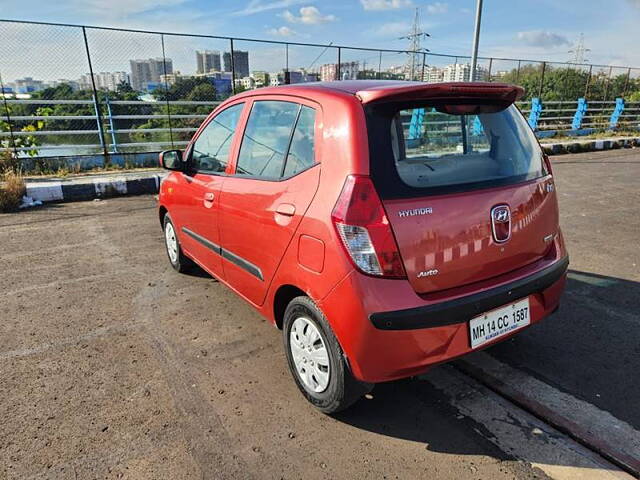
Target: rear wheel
{"x": 316, "y": 360}
{"x": 177, "y": 259}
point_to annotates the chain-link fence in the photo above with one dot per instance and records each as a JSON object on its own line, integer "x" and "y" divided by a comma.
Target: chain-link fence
{"x": 70, "y": 90}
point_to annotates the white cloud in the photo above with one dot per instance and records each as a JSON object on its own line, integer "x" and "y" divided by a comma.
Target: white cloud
{"x": 283, "y": 31}
{"x": 308, "y": 16}
{"x": 542, "y": 39}
{"x": 385, "y": 4}
{"x": 257, "y": 6}
{"x": 437, "y": 8}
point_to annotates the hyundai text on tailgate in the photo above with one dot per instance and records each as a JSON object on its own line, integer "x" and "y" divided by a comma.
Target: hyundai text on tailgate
{"x": 383, "y": 226}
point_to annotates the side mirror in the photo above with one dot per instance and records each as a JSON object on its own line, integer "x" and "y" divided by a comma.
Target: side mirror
{"x": 171, "y": 160}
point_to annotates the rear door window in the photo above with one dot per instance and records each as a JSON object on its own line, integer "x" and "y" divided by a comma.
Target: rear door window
{"x": 422, "y": 148}
{"x": 301, "y": 153}
{"x": 266, "y": 139}
{"x": 278, "y": 141}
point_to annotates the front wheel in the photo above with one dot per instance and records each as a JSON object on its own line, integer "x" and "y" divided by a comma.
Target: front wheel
{"x": 316, "y": 360}
{"x": 177, "y": 259}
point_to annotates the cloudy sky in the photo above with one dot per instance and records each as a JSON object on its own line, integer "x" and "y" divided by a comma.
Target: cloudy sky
{"x": 541, "y": 29}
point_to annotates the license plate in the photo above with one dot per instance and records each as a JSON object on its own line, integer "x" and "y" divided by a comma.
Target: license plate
{"x": 499, "y": 322}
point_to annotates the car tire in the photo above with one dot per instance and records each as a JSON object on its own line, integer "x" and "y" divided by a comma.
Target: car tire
{"x": 178, "y": 260}
{"x": 325, "y": 380}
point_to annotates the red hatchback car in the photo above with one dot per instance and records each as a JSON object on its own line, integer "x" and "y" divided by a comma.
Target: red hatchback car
{"x": 384, "y": 226}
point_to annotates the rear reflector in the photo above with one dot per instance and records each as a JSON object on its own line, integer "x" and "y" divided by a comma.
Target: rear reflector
{"x": 363, "y": 227}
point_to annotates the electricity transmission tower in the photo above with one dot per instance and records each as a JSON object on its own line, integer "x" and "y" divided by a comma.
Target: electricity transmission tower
{"x": 414, "y": 37}
{"x": 578, "y": 51}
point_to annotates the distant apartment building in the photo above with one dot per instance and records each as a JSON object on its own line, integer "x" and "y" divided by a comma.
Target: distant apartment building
{"x": 433, "y": 75}
{"x": 292, "y": 76}
{"x": 240, "y": 63}
{"x": 27, "y": 85}
{"x": 276, "y": 79}
{"x": 261, "y": 78}
{"x": 399, "y": 70}
{"x": 247, "y": 83}
{"x": 376, "y": 75}
{"x": 171, "y": 78}
{"x": 146, "y": 72}
{"x": 207, "y": 61}
{"x": 103, "y": 80}
{"x": 348, "y": 71}
{"x": 461, "y": 72}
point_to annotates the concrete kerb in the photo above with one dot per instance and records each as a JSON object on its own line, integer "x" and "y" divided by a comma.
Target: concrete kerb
{"x": 90, "y": 187}
{"x": 577, "y": 146}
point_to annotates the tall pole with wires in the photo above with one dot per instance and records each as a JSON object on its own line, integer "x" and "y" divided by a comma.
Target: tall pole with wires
{"x": 476, "y": 41}
{"x": 415, "y": 51}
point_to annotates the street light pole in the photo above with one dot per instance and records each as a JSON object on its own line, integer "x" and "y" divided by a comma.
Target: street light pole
{"x": 476, "y": 40}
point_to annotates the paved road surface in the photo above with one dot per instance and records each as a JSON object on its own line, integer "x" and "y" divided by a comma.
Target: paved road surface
{"x": 114, "y": 366}
{"x": 591, "y": 346}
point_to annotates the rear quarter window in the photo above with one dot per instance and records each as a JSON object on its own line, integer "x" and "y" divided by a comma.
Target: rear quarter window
{"x": 417, "y": 150}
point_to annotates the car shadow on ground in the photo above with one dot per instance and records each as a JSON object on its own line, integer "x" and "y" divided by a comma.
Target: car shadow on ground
{"x": 414, "y": 410}
{"x": 589, "y": 347}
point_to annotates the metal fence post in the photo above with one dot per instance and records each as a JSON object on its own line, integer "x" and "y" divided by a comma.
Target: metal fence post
{"x": 489, "y": 73}
{"x": 586, "y": 87}
{"x": 380, "y": 65}
{"x": 424, "y": 60}
{"x": 233, "y": 68}
{"x": 12, "y": 140}
{"x": 518, "y": 71}
{"x": 606, "y": 86}
{"x": 544, "y": 67}
{"x": 626, "y": 83}
{"x": 112, "y": 128}
{"x": 338, "y": 66}
{"x": 96, "y": 102}
{"x": 166, "y": 89}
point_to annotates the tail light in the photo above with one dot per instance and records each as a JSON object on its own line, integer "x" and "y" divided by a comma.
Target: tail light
{"x": 364, "y": 229}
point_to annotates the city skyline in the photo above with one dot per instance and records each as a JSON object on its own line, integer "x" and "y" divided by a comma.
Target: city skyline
{"x": 149, "y": 74}
{"x": 519, "y": 29}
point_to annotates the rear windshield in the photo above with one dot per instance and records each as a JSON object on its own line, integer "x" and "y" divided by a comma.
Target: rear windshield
{"x": 422, "y": 149}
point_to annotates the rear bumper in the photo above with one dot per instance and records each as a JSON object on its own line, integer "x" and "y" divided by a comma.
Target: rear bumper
{"x": 382, "y": 344}
{"x": 462, "y": 309}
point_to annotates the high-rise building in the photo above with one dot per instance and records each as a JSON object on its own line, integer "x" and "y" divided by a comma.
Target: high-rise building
{"x": 103, "y": 80}
{"x": 207, "y": 61}
{"x": 144, "y": 72}
{"x": 240, "y": 63}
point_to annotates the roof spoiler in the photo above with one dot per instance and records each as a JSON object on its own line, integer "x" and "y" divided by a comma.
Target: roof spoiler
{"x": 462, "y": 92}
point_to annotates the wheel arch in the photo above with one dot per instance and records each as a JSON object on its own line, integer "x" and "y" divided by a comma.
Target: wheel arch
{"x": 281, "y": 299}
{"x": 162, "y": 211}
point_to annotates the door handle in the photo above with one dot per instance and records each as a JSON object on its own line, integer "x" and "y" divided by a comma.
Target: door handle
{"x": 286, "y": 209}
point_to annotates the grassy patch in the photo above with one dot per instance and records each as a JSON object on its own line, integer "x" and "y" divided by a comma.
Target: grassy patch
{"x": 12, "y": 189}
